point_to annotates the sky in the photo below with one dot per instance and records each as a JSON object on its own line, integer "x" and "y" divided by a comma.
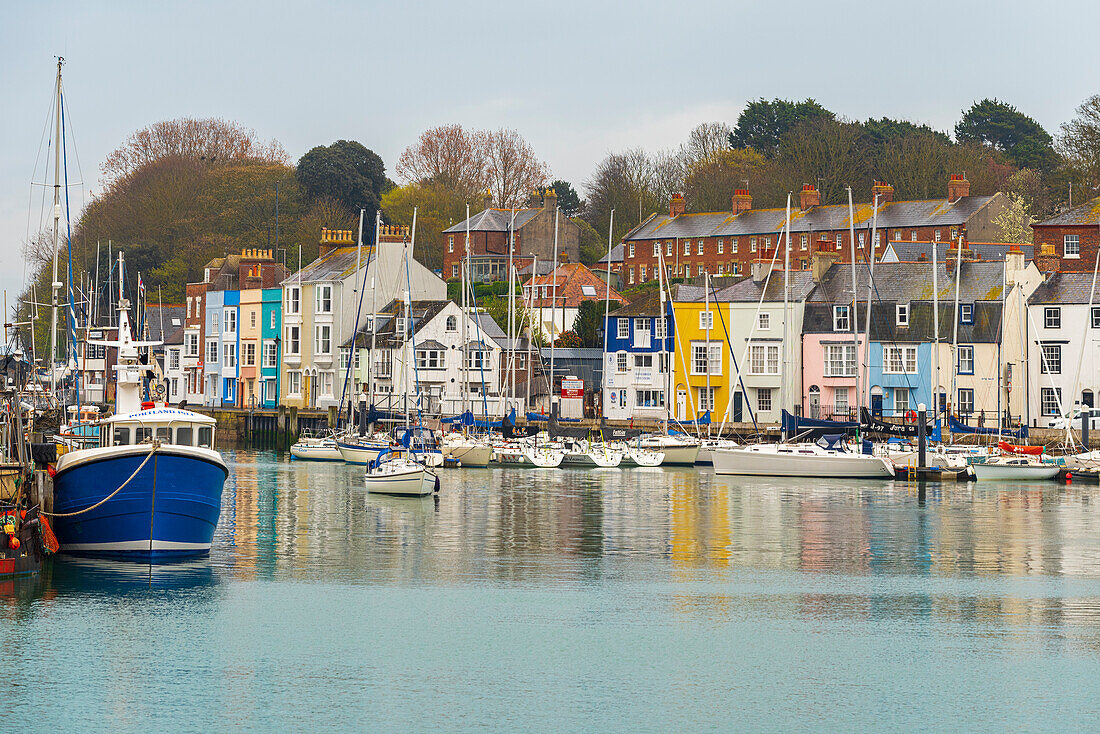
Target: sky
{"x": 577, "y": 79}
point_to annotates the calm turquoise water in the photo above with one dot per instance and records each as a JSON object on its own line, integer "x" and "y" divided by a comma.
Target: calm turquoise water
{"x": 608, "y": 600}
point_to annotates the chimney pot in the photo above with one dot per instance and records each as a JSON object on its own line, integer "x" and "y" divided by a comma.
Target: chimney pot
{"x": 676, "y": 206}
{"x": 957, "y": 188}
{"x": 884, "y": 191}
{"x": 742, "y": 201}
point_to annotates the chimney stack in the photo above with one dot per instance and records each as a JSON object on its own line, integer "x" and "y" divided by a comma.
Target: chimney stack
{"x": 487, "y": 200}
{"x": 549, "y": 199}
{"x": 334, "y": 238}
{"x": 884, "y": 191}
{"x": 809, "y": 197}
{"x": 1014, "y": 264}
{"x": 1046, "y": 258}
{"x": 821, "y": 260}
{"x": 957, "y": 187}
{"x": 535, "y": 200}
{"x": 676, "y": 206}
{"x": 742, "y": 201}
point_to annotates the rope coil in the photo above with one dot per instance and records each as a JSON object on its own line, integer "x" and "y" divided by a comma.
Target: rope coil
{"x": 152, "y": 450}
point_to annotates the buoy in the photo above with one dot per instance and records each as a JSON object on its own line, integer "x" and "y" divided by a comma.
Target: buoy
{"x": 13, "y": 542}
{"x": 1069, "y": 478}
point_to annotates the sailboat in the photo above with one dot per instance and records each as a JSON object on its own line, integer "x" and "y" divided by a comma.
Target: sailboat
{"x": 152, "y": 487}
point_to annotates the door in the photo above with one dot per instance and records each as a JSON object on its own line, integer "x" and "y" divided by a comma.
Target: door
{"x": 738, "y": 406}
{"x": 681, "y": 405}
{"x": 815, "y": 401}
{"x": 1087, "y": 399}
{"x": 876, "y": 406}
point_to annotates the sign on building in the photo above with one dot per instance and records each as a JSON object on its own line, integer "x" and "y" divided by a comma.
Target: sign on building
{"x": 572, "y": 397}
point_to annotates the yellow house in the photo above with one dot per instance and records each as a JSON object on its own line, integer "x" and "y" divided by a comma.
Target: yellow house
{"x": 701, "y": 361}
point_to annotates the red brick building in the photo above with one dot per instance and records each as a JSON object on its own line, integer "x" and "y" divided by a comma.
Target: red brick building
{"x": 726, "y": 243}
{"x": 492, "y": 229}
{"x": 1070, "y": 240}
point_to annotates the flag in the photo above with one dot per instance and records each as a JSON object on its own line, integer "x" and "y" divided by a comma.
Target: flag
{"x": 141, "y": 285}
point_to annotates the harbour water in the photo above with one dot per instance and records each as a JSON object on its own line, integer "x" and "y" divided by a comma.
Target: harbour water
{"x": 644, "y": 599}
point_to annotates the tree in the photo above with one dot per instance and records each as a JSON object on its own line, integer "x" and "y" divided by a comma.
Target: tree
{"x": 1079, "y": 142}
{"x": 624, "y": 182}
{"x": 449, "y": 156}
{"x": 706, "y": 140}
{"x": 763, "y": 124}
{"x": 437, "y": 208}
{"x": 346, "y": 172}
{"x": 593, "y": 245}
{"x": 211, "y": 140}
{"x": 589, "y": 324}
{"x": 1013, "y": 221}
{"x": 568, "y": 340}
{"x": 511, "y": 167}
{"x": 824, "y": 152}
{"x": 568, "y": 200}
{"x": 1001, "y": 126}
{"x": 711, "y": 181}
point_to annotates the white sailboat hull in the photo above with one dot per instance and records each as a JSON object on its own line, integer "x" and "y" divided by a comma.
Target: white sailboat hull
{"x": 993, "y": 471}
{"x": 360, "y": 453}
{"x": 474, "y": 455}
{"x": 769, "y": 462}
{"x": 316, "y": 452}
{"x": 592, "y": 459}
{"x": 411, "y": 482}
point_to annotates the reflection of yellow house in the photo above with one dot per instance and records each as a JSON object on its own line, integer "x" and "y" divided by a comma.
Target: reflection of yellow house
{"x": 701, "y": 361}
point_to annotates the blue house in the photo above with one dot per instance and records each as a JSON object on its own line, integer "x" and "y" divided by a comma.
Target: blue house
{"x": 636, "y": 365}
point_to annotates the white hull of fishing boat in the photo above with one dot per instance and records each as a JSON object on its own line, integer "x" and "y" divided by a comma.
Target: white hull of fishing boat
{"x": 401, "y": 477}
{"x": 1014, "y": 469}
{"x": 361, "y": 453}
{"x": 316, "y": 450}
{"x": 800, "y": 460}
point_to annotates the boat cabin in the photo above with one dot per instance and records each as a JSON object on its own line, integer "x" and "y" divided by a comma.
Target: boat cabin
{"x": 167, "y": 425}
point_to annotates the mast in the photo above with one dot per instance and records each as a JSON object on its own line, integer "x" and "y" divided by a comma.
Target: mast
{"x": 870, "y": 294}
{"x": 54, "y": 285}
{"x": 357, "y": 298}
{"x": 553, "y": 314}
{"x": 955, "y": 332}
{"x": 783, "y": 397}
{"x": 706, "y": 336}
{"x": 373, "y": 316}
{"x": 1081, "y": 357}
{"x": 511, "y": 312}
{"x": 607, "y": 302}
{"x": 935, "y": 332}
{"x": 664, "y": 339}
{"x": 465, "y": 271}
{"x": 855, "y": 298}
{"x": 408, "y": 320}
{"x": 1000, "y": 350}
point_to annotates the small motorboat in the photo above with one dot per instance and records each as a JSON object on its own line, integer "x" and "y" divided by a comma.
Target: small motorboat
{"x": 316, "y": 448}
{"x": 397, "y": 474}
{"x": 1014, "y": 468}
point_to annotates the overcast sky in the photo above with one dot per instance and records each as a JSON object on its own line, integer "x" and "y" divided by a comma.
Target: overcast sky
{"x": 577, "y": 79}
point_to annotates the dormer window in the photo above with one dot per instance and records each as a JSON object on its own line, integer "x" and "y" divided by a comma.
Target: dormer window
{"x": 452, "y": 323}
{"x": 966, "y": 313}
{"x": 902, "y": 314}
{"x": 841, "y": 320}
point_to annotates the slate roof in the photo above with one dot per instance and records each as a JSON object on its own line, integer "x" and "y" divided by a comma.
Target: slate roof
{"x": 173, "y": 332}
{"x": 1084, "y": 214}
{"x": 338, "y": 263}
{"x": 646, "y": 304}
{"x": 926, "y": 213}
{"x": 912, "y": 251}
{"x": 616, "y": 255}
{"x": 494, "y": 220}
{"x": 1066, "y": 288}
{"x": 984, "y": 329}
{"x": 430, "y": 344}
{"x": 748, "y": 290}
{"x": 906, "y": 282}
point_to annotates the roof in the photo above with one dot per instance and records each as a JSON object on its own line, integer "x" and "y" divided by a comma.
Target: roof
{"x": 749, "y": 291}
{"x": 431, "y": 344}
{"x": 1082, "y": 215}
{"x": 338, "y": 263}
{"x": 646, "y": 304}
{"x": 616, "y": 255}
{"x": 924, "y": 213}
{"x": 173, "y": 317}
{"x": 494, "y": 220}
{"x": 913, "y": 251}
{"x": 1066, "y": 288}
{"x": 904, "y": 282}
{"x": 575, "y": 283}
{"x": 576, "y": 353}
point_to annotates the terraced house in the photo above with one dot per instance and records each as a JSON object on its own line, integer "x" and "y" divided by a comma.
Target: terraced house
{"x": 322, "y": 302}
{"x": 636, "y": 363}
{"x": 727, "y": 243}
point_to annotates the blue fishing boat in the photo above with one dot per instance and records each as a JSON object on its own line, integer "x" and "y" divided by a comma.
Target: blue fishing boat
{"x": 151, "y": 488}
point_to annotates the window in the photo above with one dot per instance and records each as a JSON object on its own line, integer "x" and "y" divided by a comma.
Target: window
{"x": 668, "y": 248}
{"x": 454, "y": 270}
{"x": 122, "y": 436}
{"x": 768, "y": 243}
{"x": 1052, "y": 360}
{"x": 450, "y": 243}
{"x": 878, "y": 239}
{"x": 656, "y": 249}
{"x": 899, "y": 360}
{"x": 184, "y": 435}
{"x": 230, "y": 355}
{"x": 954, "y": 233}
{"x": 840, "y": 360}
{"x": 270, "y": 354}
{"x": 215, "y": 323}
{"x": 620, "y": 363}
{"x": 1071, "y": 245}
{"x": 192, "y": 345}
{"x": 252, "y": 318}
{"x": 733, "y": 245}
{"x": 230, "y": 321}
{"x": 274, "y": 318}
{"x": 1051, "y": 397}
{"x": 293, "y": 301}
{"x": 399, "y": 326}
{"x": 966, "y": 313}
{"x": 641, "y": 332}
{"x": 294, "y": 383}
{"x": 248, "y": 354}
{"x": 173, "y": 359}
{"x": 841, "y": 322}
{"x": 660, "y": 330}
{"x": 901, "y": 401}
{"x": 706, "y": 320}
{"x": 641, "y": 278}
{"x": 452, "y": 324}
{"x": 805, "y": 242}
{"x": 706, "y": 398}
{"x": 902, "y": 312}
{"x": 764, "y": 359}
{"x": 913, "y": 236}
{"x": 588, "y": 290}
{"x": 721, "y": 246}
{"x": 429, "y": 359}
{"x": 687, "y": 271}
{"x": 937, "y": 235}
{"x": 966, "y": 401}
{"x": 840, "y": 401}
{"x": 630, "y": 250}
{"x": 699, "y": 248}
{"x": 211, "y": 351}
{"x": 803, "y": 264}
{"x": 966, "y": 359}
{"x": 764, "y": 398}
{"x": 293, "y": 340}
{"x": 1052, "y": 317}
{"x": 322, "y": 299}
{"x": 721, "y": 267}
{"x": 206, "y": 437}
{"x": 622, "y": 328}
{"x": 665, "y": 360}
{"x": 764, "y": 321}
{"x": 322, "y": 339}
{"x": 839, "y": 241}
{"x": 649, "y": 398}
{"x": 630, "y": 274}
{"x": 706, "y": 356}
{"x": 859, "y": 239}
{"x": 752, "y": 244}
{"x": 477, "y": 359}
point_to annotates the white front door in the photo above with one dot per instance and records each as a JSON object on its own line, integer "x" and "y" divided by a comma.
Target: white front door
{"x": 681, "y": 405}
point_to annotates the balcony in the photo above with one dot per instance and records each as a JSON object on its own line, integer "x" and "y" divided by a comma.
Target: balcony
{"x": 382, "y": 369}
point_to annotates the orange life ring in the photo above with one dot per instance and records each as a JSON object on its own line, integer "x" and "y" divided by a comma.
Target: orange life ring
{"x": 911, "y": 416}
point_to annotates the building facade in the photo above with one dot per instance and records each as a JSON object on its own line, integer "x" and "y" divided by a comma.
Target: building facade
{"x": 640, "y": 340}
